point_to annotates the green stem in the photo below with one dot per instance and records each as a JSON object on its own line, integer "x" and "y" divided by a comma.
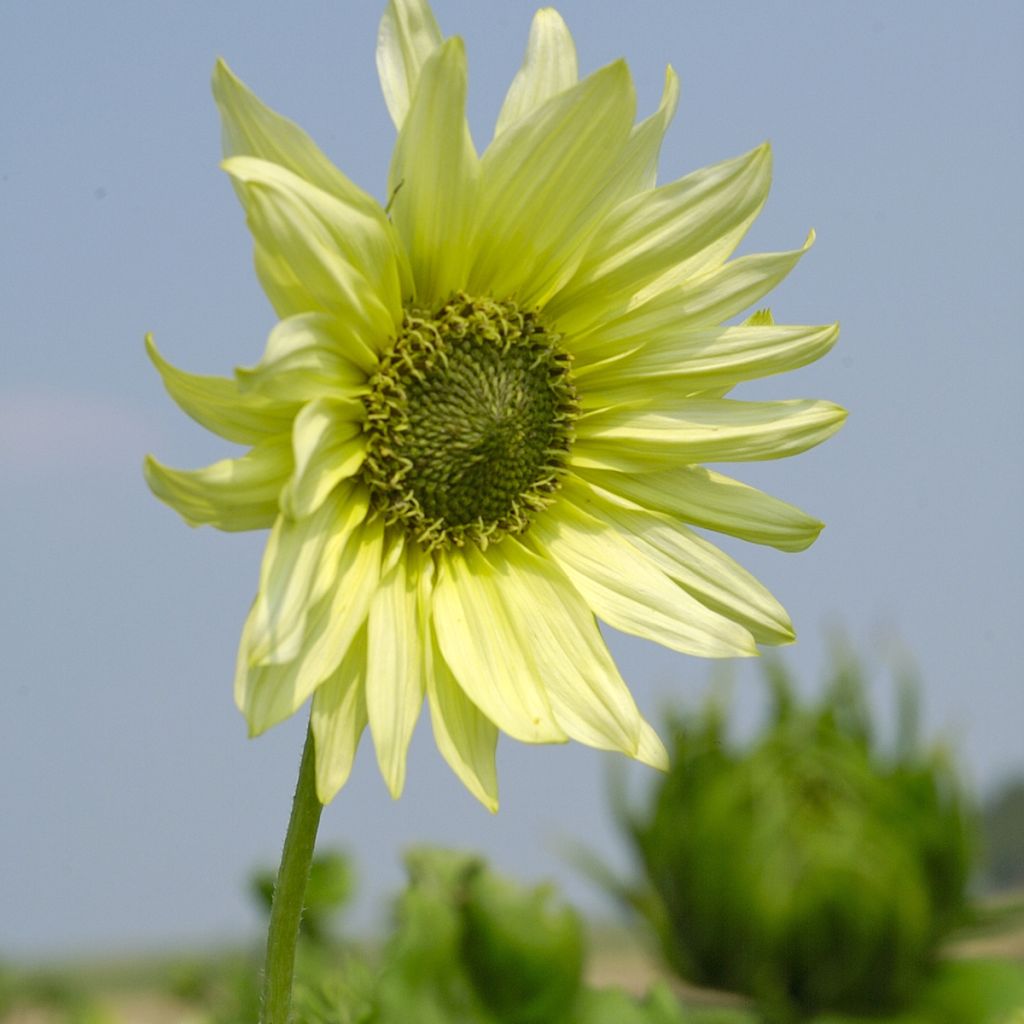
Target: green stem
{"x": 289, "y": 892}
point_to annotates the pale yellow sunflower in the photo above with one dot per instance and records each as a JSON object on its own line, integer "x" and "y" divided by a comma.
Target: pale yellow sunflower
{"x": 479, "y": 422}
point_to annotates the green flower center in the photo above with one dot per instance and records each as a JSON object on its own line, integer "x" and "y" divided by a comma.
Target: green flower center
{"x": 470, "y": 419}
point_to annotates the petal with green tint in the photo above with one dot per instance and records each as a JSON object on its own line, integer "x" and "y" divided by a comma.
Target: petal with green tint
{"x": 465, "y": 736}
{"x": 556, "y": 629}
{"x": 482, "y": 645}
{"x": 716, "y": 502}
{"x": 250, "y": 128}
{"x": 300, "y": 566}
{"x": 704, "y": 571}
{"x": 651, "y": 750}
{"x": 338, "y": 718}
{"x": 268, "y": 693}
{"x": 660, "y": 235}
{"x": 340, "y": 255}
{"x": 218, "y": 404}
{"x": 702, "y": 430}
{"x": 435, "y": 175}
{"x": 677, "y": 363}
{"x": 549, "y": 67}
{"x": 308, "y": 356}
{"x": 408, "y": 35}
{"x": 233, "y": 494}
{"x": 545, "y": 184}
{"x": 629, "y": 591}
{"x": 394, "y": 676}
{"x": 638, "y": 167}
{"x": 329, "y": 446}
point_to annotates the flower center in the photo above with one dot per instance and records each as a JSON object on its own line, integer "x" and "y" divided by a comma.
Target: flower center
{"x": 470, "y": 419}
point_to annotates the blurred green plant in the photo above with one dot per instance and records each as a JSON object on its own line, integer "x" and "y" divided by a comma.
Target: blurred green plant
{"x": 1003, "y": 823}
{"x": 811, "y": 869}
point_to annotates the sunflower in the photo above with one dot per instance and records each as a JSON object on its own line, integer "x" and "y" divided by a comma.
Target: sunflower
{"x": 478, "y": 425}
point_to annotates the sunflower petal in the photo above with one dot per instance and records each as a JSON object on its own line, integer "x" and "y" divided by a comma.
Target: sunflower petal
{"x": 545, "y": 183}
{"x": 549, "y": 67}
{"x": 408, "y": 35}
{"x": 338, "y": 718}
{"x": 661, "y": 235}
{"x": 702, "y": 430}
{"x": 300, "y": 566}
{"x": 309, "y": 356}
{"x": 218, "y": 403}
{"x": 435, "y": 175}
{"x": 679, "y": 363}
{"x": 715, "y": 502}
{"x": 638, "y": 167}
{"x": 630, "y": 592}
{"x": 705, "y": 572}
{"x": 342, "y": 257}
{"x": 482, "y": 645}
{"x": 233, "y": 494}
{"x": 329, "y": 446}
{"x": 394, "y": 676}
{"x": 465, "y": 736}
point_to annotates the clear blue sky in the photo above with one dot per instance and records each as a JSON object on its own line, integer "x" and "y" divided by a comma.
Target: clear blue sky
{"x": 131, "y": 803}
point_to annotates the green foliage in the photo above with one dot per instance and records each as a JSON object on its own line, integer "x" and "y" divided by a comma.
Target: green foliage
{"x": 810, "y": 870}
{"x": 1003, "y": 821}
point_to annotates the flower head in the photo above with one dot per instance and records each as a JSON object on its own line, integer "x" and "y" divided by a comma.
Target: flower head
{"x": 479, "y": 421}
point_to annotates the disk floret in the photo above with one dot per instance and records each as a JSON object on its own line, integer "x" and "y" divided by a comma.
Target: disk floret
{"x": 470, "y": 418}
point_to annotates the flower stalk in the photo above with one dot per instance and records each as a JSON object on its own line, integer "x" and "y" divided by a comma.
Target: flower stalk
{"x": 290, "y": 891}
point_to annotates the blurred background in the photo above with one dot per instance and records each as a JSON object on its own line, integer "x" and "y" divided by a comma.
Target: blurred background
{"x": 132, "y": 805}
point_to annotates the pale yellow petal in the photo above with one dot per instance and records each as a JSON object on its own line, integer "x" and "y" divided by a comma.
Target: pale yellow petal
{"x": 483, "y": 646}
{"x": 394, "y": 672}
{"x": 464, "y": 735}
{"x": 435, "y": 176}
{"x": 218, "y": 404}
{"x": 311, "y": 355}
{"x": 300, "y": 566}
{"x": 338, "y": 718}
{"x": 638, "y": 166}
{"x": 702, "y": 430}
{"x": 546, "y": 182}
{"x": 408, "y": 35}
{"x": 715, "y": 502}
{"x": 660, "y": 235}
{"x": 233, "y": 494}
{"x": 330, "y": 446}
{"x": 342, "y": 257}
{"x": 549, "y": 67}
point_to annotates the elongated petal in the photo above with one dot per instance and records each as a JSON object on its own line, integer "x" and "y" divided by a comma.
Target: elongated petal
{"x": 660, "y": 236}
{"x": 308, "y": 356}
{"x": 267, "y": 693}
{"x": 483, "y": 646}
{"x": 679, "y": 363}
{"x": 716, "y": 502}
{"x": 408, "y": 35}
{"x": 549, "y": 67}
{"x": 233, "y": 494}
{"x": 394, "y": 675}
{"x": 250, "y": 128}
{"x": 435, "y": 176}
{"x": 703, "y": 570}
{"x": 638, "y": 166}
{"x": 464, "y": 735}
{"x": 218, "y": 404}
{"x": 546, "y": 182}
{"x": 703, "y": 430}
{"x": 329, "y": 446}
{"x": 626, "y": 589}
{"x": 557, "y": 631}
{"x": 300, "y": 566}
{"x": 341, "y": 256}
{"x": 338, "y": 719}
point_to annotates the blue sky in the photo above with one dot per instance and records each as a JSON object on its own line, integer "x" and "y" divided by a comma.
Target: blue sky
{"x": 132, "y": 803}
